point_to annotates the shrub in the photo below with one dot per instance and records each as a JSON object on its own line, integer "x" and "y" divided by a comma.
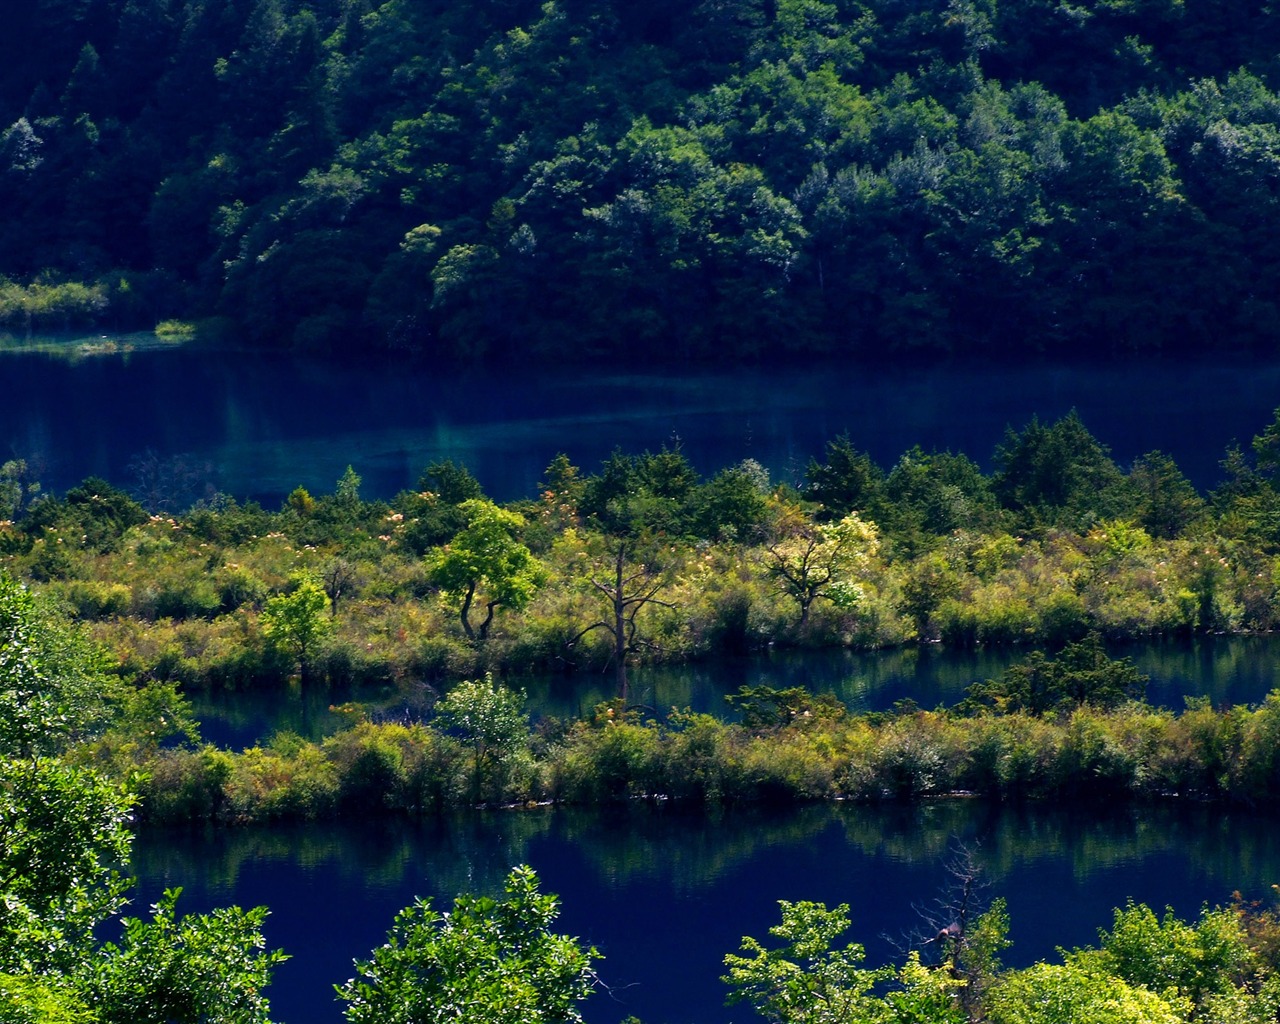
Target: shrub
{"x": 186, "y": 785}
{"x": 90, "y": 599}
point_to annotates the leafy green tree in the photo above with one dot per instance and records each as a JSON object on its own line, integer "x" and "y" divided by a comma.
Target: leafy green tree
{"x": 1059, "y": 475}
{"x": 847, "y": 482}
{"x": 809, "y": 561}
{"x": 294, "y": 622}
{"x": 1167, "y": 503}
{"x": 18, "y": 489}
{"x": 64, "y": 846}
{"x": 41, "y": 1000}
{"x": 64, "y": 838}
{"x": 733, "y": 504}
{"x": 198, "y": 969}
{"x": 490, "y": 719}
{"x": 652, "y": 493}
{"x": 54, "y": 688}
{"x": 928, "y": 495}
{"x": 94, "y": 511}
{"x": 766, "y": 707}
{"x": 485, "y": 562}
{"x": 346, "y": 494}
{"x": 1170, "y": 955}
{"x": 1081, "y": 674}
{"x": 434, "y": 513}
{"x": 487, "y": 959}
{"x": 1077, "y": 991}
{"x": 804, "y": 980}
{"x": 64, "y": 833}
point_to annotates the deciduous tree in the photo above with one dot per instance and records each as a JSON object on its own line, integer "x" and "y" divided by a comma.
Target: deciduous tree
{"x": 294, "y": 622}
{"x": 486, "y": 562}
{"x": 810, "y": 560}
{"x": 488, "y": 959}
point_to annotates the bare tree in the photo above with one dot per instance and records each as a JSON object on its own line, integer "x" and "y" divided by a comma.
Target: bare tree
{"x": 339, "y": 578}
{"x": 964, "y": 928}
{"x": 170, "y": 485}
{"x": 629, "y": 586}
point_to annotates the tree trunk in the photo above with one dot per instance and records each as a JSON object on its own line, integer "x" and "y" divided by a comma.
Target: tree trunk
{"x": 620, "y": 625}
{"x": 465, "y": 613}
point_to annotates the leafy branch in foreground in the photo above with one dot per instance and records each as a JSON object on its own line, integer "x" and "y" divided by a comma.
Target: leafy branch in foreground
{"x": 53, "y": 684}
{"x": 490, "y": 959}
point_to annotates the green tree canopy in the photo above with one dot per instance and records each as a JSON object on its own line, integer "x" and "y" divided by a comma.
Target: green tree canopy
{"x": 54, "y": 687}
{"x": 1081, "y": 674}
{"x": 294, "y": 622}
{"x": 489, "y": 958}
{"x": 485, "y": 562}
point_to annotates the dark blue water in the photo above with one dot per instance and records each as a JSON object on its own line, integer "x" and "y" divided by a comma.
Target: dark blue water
{"x": 664, "y": 894}
{"x": 1227, "y": 670}
{"x": 256, "y": 426}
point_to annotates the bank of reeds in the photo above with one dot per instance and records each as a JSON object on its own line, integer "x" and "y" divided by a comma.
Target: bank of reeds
{"x": 1134, "y": 752}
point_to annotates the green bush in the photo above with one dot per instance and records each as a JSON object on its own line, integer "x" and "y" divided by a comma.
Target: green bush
{"x": 1257, "y": 775}
{"x": 90, "y": 599}
{"x": 186, "y": 785}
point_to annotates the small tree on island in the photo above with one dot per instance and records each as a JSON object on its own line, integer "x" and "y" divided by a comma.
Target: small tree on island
{"x": 485, "y": 561}
{"x": 294, "y": 623}
{"x": 811, "y": 560}
{"x": 626, "y": 583}
{"x": 490, "y": 719}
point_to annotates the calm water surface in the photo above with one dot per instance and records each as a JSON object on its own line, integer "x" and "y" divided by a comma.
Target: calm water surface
{"x": 664, "y": 893}
{"x": 259, "y": 425}
{"x": 1227, "y": 670}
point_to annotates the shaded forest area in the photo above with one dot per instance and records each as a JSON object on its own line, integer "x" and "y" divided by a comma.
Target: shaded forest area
{"x": 515, "y": 180}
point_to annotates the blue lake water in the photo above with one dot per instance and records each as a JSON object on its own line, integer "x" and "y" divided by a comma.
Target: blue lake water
{"x": 256, "y": 426}
{"x": 664, "y": 893}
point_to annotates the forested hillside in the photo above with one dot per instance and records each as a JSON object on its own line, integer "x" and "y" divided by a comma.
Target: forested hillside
{"x": 711, "y": 179}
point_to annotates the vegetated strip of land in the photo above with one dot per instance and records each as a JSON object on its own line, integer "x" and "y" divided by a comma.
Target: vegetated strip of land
{"x": 644, "y": 560}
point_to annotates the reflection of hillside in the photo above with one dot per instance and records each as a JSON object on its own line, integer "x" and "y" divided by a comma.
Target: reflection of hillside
{"x": 1218, "y": 843}
{"x": 689, "y": 847}
{"x": 690, "y": 850}
{"x": 469, "y": 852}
{"x": 1226, "y": 669}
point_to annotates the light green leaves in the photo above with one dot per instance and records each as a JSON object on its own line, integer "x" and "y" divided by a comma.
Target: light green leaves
{"x": 805, "y": 981}
{"x": 295, "y": 622}
{"x": 489, "y": 959}
{"x": 486, "y": 561}
{"x": 64, "y": 837}
{"x": 53, "y": 687}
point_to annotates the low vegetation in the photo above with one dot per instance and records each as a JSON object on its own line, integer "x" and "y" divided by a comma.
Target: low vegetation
{"x": 646, "y": 561}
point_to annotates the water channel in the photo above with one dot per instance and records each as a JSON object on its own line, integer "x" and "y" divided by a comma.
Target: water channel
{"x": 664, "y": 893}
{"x": 258, "y": 425}
{"x": 1227, "y": 670}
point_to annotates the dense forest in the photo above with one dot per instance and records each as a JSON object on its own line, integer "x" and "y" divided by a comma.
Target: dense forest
{"x": 515, "y": 180}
